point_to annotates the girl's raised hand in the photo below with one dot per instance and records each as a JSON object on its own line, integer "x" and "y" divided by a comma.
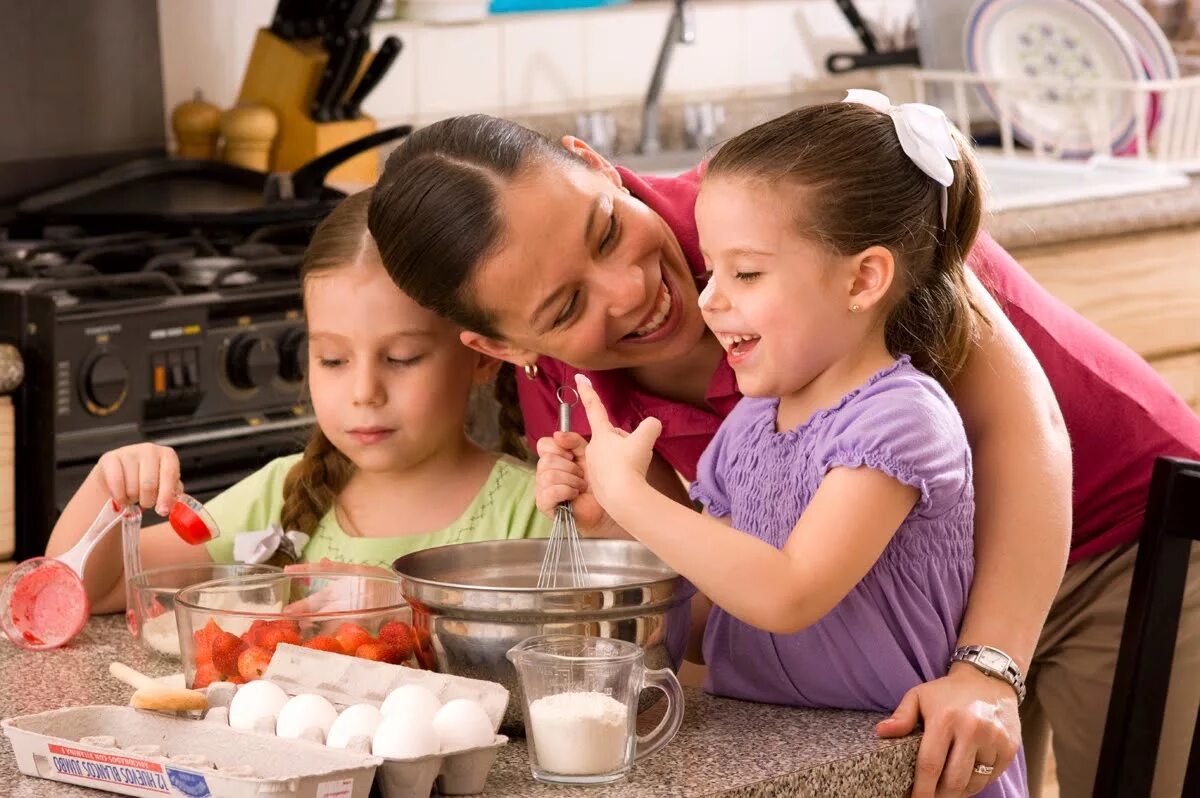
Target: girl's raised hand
{"x": 616, "y": 459}
{"x": 144, "y": 473}
{"x": 562, "y": 477}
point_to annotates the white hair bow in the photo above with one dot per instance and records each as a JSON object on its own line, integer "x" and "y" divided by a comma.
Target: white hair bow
{"x": 924, "y": 133}
{"x": 258, "y": 547}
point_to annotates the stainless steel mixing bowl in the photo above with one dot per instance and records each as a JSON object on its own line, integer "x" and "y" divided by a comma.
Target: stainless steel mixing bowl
{"x": 478, "y": 600}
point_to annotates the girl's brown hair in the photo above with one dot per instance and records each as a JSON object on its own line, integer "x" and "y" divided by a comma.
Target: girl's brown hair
{"x": 861, "y": 190}
{"x": 314, "y": 483}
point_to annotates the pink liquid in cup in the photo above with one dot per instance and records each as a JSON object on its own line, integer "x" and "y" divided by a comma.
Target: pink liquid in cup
{"x": 44, "y": 604}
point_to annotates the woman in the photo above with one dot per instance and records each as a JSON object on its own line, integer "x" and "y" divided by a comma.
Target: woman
{"x": 550, "y": 256}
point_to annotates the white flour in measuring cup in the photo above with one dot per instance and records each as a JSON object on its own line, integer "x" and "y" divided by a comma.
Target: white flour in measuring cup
{"x": 580, "y": 733}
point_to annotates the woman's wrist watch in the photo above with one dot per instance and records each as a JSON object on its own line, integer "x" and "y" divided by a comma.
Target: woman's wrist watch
{"x": 994, "y": 663}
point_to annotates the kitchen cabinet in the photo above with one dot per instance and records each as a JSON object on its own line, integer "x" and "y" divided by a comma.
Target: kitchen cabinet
{"x": 1142, "y": 287}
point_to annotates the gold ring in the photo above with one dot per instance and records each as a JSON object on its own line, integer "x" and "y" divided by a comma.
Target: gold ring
{"x": 983, "y": 770}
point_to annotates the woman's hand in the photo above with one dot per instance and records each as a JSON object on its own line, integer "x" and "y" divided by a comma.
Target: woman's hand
{"x": 616, "y": 459}
{"x": 144, "y": 473}
{"x": 969, "y": 719}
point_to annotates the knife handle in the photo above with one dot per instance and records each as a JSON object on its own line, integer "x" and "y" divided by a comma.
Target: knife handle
{"x": 336, "y": 45}
{"x": 380, "y": 63}
{"x": 344, "y": 71}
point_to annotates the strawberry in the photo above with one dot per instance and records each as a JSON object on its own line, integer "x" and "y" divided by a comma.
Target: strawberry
{"x": 424, "y": 649}
{"x": 351, "y": 636}
{"x": 252, "y": 635}
{"x": 380, "y": 652}
{"x": 205, "y": 675}
{"x": 253, "y": 663}
{"x": 272, "y": 636}
{"x": 400, "y": 635}
{"x": 288, "y": 625}
{"x": 226, "y": 649}
{"x": 203, "y": 639}
{"x": 325, "y": 643}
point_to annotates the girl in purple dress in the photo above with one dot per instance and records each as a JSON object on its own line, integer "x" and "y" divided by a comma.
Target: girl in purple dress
{"x": 836, "y": 543}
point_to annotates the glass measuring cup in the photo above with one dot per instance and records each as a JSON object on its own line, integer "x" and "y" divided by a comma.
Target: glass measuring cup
{"x": 190, "y": 521}
{"x": 580, "y": 699}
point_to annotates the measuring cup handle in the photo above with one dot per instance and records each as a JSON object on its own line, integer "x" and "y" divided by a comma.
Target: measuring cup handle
{"x": 662, "y": 679}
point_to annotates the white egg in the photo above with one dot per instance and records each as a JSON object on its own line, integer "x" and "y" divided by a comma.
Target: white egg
{"x": 462, "y": 724}
{"x": 305, "y": 711}
{"x": 411, "y": 700}
{"x": 257, "y": 699}
{"x": 403, "y": 737}
{"x": 359, "y": 720}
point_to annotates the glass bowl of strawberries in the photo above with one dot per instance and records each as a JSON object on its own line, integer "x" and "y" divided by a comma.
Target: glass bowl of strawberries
{"x": 229, "y": 628}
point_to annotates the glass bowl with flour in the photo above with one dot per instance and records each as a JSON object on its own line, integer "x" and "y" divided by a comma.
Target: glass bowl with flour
{"x": 580, "y": 699}
{"x": 153, "y": 599}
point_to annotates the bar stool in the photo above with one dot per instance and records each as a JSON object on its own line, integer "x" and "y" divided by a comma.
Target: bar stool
{"x": 1139, "y": 691}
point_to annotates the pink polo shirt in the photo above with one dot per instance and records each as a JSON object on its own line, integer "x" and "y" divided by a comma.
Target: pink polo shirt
{"x": 1120, "y": 414}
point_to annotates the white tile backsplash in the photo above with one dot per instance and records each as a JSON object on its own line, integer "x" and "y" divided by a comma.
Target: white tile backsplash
{"x": 525, "y": 64}
{"x": 459, "y": 70}
{"x": 620, "y": 48}
{"x": 543, "y": 61}
{"x": 713, "y": 63}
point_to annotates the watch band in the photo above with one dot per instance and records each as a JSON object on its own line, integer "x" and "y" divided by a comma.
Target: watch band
{"x": 994, "y": 663}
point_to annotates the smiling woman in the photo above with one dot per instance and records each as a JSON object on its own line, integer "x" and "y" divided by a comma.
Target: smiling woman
{"x": 550, "y": 257}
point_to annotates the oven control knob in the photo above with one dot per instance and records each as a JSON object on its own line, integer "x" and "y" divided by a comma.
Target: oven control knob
{"x": 293, "y": 354}
{"x": 252, "y": 361}
{"x": 105, "y": 383}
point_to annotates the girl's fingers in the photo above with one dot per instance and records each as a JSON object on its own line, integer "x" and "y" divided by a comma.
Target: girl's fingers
{"x": 550, "y": 479}
{"x": 597, "y": 416}
{"x": 570, "y": 441}
{"x": 113, "y": 477}
{"x": 168, "y": 479}
{"x": 547, "y": 447}
{"x": 550, "y": 498}
{"x": 129, "y": 470}
{"x": 148, "y": 463}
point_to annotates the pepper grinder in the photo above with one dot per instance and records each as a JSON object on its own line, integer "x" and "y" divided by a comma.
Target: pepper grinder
{"x": 249, "y": 130}
{"x": 196, "y": 123}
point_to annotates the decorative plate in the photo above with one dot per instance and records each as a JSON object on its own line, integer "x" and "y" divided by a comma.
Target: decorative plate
{"x": 1056, "y": 39}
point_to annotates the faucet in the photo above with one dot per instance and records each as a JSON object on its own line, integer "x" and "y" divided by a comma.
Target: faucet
{"x": 681, "y": 28}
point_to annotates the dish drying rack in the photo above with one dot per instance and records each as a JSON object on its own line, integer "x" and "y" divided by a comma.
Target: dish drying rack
{"x": 1173, "y": 142}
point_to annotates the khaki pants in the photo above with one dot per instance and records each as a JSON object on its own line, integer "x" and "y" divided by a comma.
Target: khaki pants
{"x": 1071, "y": 676}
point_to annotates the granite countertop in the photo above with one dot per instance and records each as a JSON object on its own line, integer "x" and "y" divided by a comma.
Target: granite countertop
{"x": 726, "y": 747}
{"x": 1090, "y": 219}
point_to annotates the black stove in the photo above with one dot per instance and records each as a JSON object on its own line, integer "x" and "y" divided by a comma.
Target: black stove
{"x": 194, "y": 341}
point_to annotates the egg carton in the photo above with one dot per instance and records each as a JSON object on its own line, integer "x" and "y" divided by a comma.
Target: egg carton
{"x": 353, "y": 680}
{"x": 130, "y": 751}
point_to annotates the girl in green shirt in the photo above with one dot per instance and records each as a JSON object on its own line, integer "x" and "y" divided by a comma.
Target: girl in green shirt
{"x": 388, "y": 469}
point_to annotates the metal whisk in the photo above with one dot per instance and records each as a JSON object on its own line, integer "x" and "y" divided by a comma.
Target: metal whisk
{"x": 563, "y": 565}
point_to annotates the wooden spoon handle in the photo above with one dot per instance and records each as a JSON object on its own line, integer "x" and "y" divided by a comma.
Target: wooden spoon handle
{"x": 168, "y": 699}
{"x": 135, "y": 679}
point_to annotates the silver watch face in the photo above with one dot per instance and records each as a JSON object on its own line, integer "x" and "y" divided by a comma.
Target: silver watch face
{"x": 993, "y": 660}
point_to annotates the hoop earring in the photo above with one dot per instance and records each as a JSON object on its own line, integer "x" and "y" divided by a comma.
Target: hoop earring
{"x": 855, "y": 308}
{"x": 531, "y": 371}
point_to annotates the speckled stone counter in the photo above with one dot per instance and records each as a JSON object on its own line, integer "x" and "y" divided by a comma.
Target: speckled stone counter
{"x": 728, "y": 748}
{"x": 1091, "y": 219}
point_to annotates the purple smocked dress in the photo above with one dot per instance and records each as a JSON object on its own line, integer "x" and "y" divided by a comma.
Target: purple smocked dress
{"x": 897, "y": 628}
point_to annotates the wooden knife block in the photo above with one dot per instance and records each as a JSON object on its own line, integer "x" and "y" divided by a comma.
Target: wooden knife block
{"x": 284, "y": 76}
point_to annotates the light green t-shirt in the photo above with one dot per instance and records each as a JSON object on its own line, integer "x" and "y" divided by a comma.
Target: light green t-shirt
{"x": 503, "y": 508}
